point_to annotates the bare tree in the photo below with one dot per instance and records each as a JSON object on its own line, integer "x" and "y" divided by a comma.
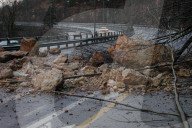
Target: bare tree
{"x": 8, "y": 16}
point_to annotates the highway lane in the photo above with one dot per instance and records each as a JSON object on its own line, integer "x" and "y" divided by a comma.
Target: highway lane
{"x": 57, "y": 111}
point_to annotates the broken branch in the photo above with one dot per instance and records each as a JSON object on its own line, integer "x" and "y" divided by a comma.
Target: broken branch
{"x": 117, "y": 103}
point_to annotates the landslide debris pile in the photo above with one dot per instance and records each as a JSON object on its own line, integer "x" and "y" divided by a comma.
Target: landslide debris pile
{"x": 130, "y": 71}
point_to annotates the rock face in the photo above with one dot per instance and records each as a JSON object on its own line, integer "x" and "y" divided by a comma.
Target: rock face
{"x": 97, "y": 59}
{"x": 55, "y": 51}
{"x": 47, "y": 81}
{"x": 1, "y": 49}
{"x": 7, "y": 56}
{"x": 138, "y": 53}
{"x": 30, "y": 45}
{"x": 6, "y": 73}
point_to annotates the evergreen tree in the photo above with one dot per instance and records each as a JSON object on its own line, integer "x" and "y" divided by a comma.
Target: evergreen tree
{"x": 50, "y": 17}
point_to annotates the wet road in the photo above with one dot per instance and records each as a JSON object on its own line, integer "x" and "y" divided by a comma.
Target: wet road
{"x": 57, "y": 111}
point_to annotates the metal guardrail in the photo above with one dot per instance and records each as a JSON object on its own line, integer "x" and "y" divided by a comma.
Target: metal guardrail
{"x": 95, "y": 39}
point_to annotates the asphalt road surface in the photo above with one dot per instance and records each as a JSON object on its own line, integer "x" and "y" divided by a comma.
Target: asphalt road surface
{"x": 58, "y": 111}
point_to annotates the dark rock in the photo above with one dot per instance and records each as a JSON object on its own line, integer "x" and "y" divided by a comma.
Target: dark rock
{"x": 1, "y": 49}
{"x": 30, "y": 45}
{"x": 7, "y": 56}
{"x": 97, "y": 59}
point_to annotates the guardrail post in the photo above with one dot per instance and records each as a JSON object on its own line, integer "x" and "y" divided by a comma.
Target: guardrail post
{"x": 8, "y": 41}
{"x": 36, "y": 38}
{"x": 92, "y": 38}
{"x": 57, "y": 37}
{"x": 105, "y": 35}
{"x": 48, "y": 48}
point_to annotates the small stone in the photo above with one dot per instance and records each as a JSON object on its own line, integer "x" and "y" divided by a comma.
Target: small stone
{"x": 111, "y": 90}
{"x": 24, "y": 84}
{"x": 106, "y": 91}
{"x": 87, "y": 70}
{"x": 82, "y": 89}
{"x": 89, "y": 92}
{"x": 6, "y": 73}
{"x": 120, "y": 85}
{"x": 80, "y": 80}
{"x": 32, "y": 90}
{"x": 120, "y": 90}
{"x": 43, "y": 53}
{"x": 55, "y": 51}
{"x": 19, "y": 98}
{"x": 103, "y": 68}
{"x": 184, "y": 73}
{"x": 111, "y": 83}
{"x": 22, "y": 94}
{"x": 167, "y": 89}
{"x": 115, "y": 88}
{"x": 61, "y": 59}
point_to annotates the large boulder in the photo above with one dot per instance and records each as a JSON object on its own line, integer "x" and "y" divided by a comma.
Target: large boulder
{"x": 1, "y": 49}
{"x": 48, "y": 80}
{"x": 97, "y": 59}
{"x": 30, "y": 45}
{"x": 6, "y": 73}
{"x": 7, "y": 56}
{"x": 138, "y": 53}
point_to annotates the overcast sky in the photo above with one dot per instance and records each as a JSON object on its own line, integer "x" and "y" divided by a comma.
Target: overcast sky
{"x": 5, "y": 1}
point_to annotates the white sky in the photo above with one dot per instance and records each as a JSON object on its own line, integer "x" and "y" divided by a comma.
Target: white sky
{"x": 6, "y": 1}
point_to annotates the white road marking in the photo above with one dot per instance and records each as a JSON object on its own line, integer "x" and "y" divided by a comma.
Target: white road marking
{"x": 35, "y": 111}
{"x": 70, "y": 126}
{"x": 53, "y": 115}
{"x": 47, "y": 125}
